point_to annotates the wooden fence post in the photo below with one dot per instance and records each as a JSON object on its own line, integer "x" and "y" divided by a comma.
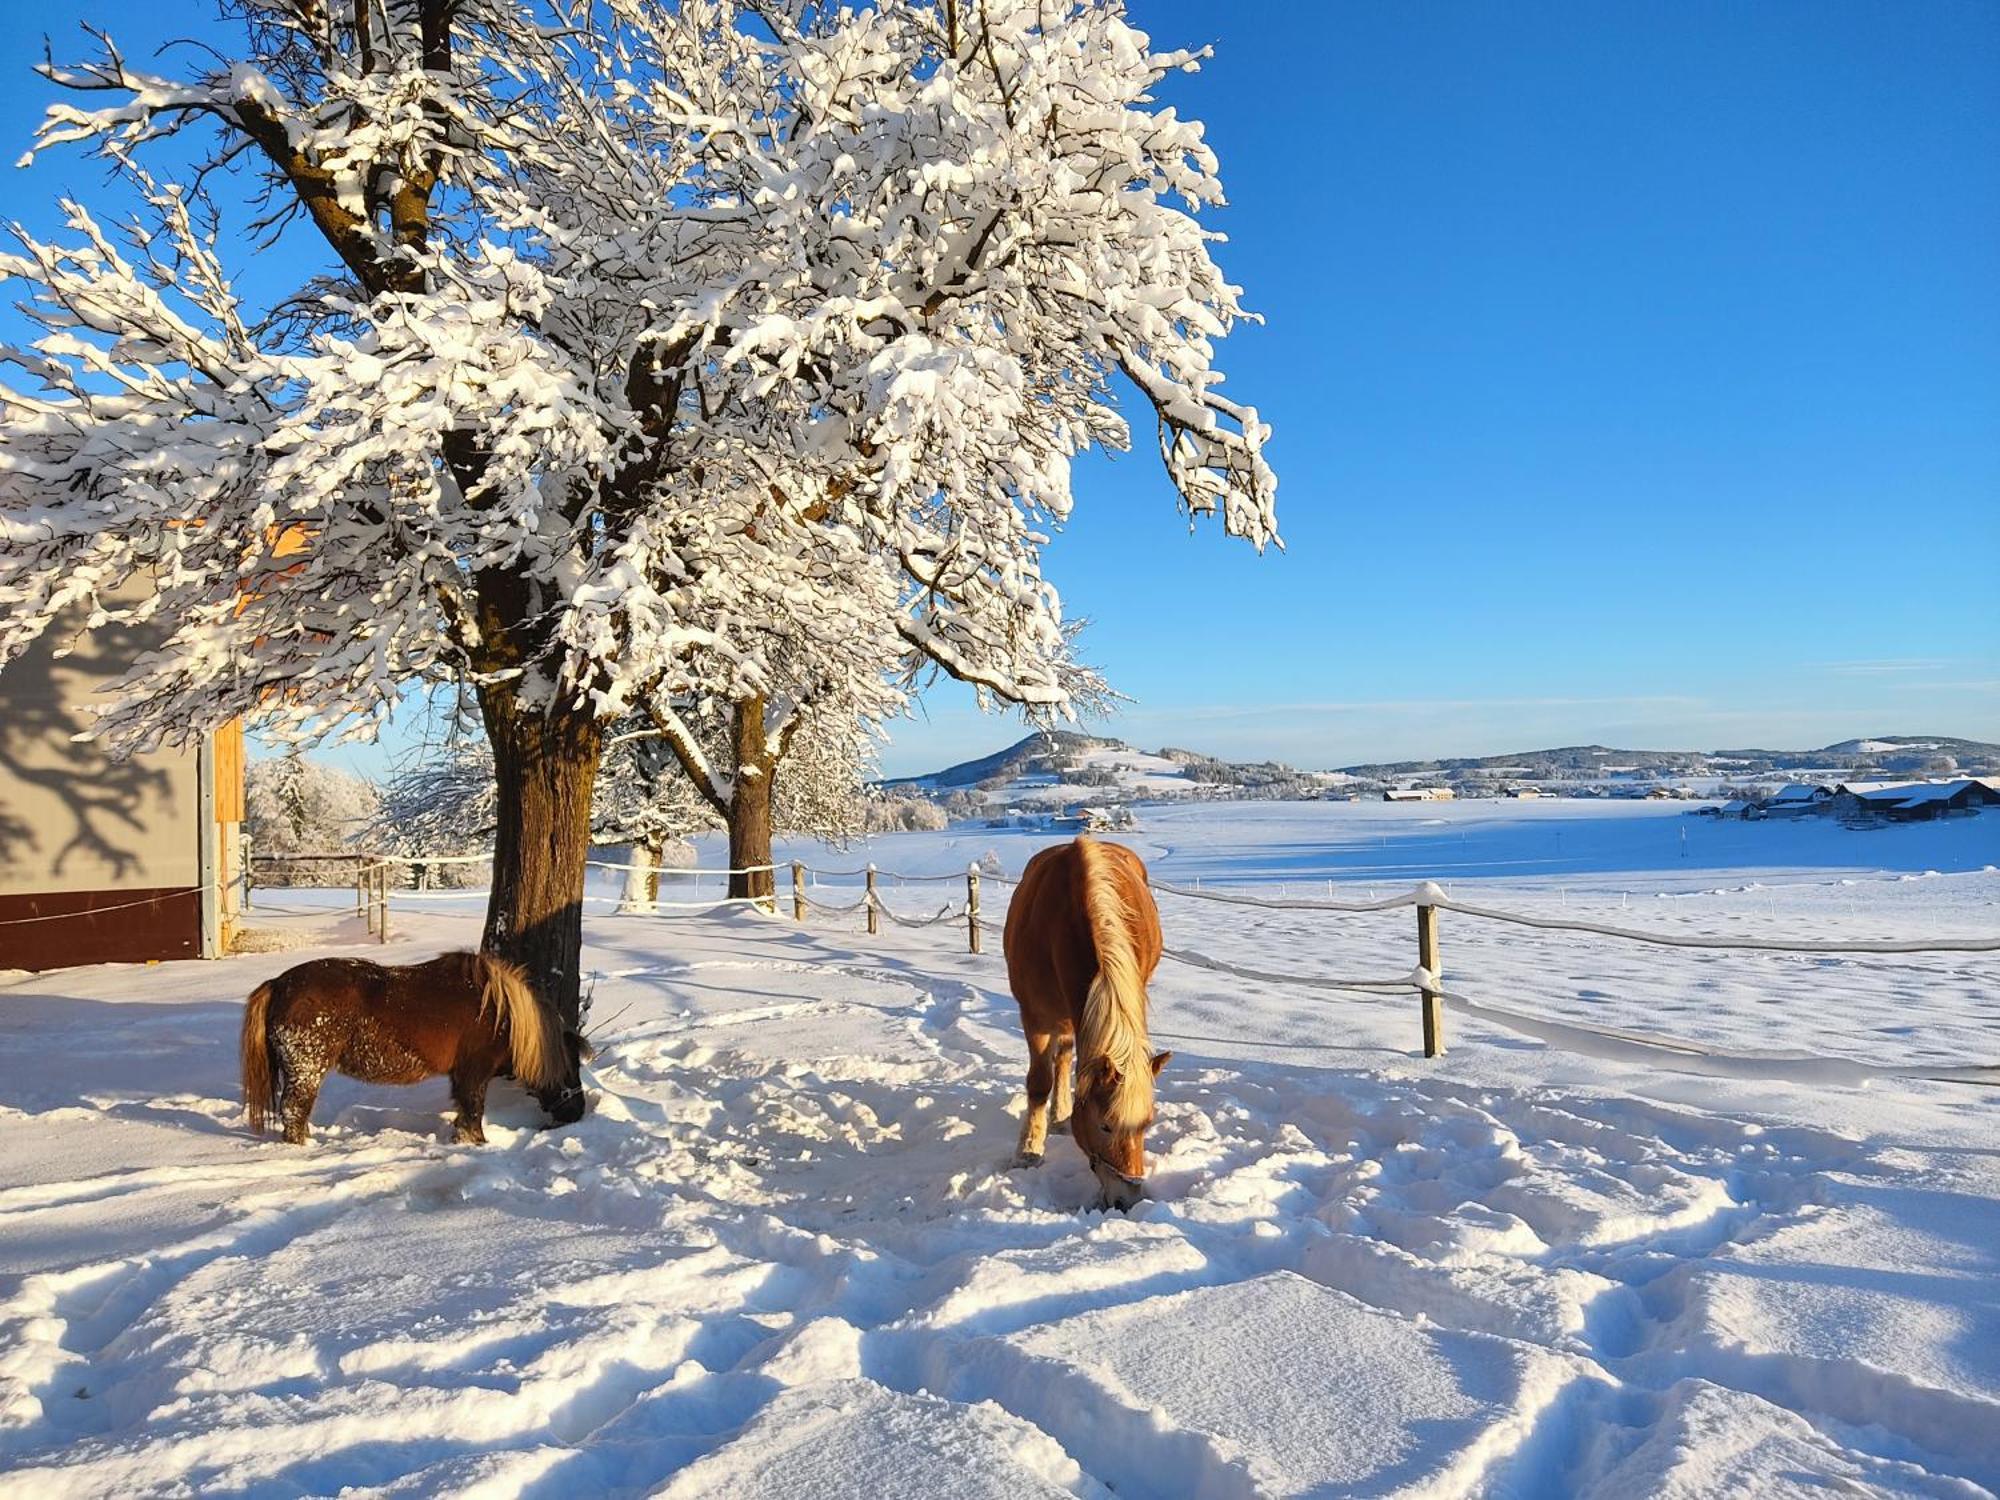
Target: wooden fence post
{"x": 874, "y": 916}
{"x": 1427, "y": 960}
{"x": 972, "y": 906}
{"x": 360, "y": 900}
{"x": 385, "y": 901}
{"x": 244, "y": 847}
{"x": 798, "y": 890}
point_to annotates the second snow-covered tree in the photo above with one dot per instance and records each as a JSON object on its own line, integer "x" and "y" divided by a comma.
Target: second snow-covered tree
{"x": 440, "y": 805}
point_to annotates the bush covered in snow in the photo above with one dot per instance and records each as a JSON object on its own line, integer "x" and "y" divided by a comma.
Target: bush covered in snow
{"x": 902, "y": 814}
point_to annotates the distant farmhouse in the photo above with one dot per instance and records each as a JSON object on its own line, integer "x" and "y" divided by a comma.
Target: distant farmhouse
{"x": 1872, "y": 801}
{"x": 1797, "y": 798}
{"x": 105, "y": 860}
{"x": 1419, "y": 794}
{"x": 1913, "y": 801}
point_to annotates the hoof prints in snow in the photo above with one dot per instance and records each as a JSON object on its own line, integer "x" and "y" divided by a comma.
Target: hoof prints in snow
{"x": 858, "y": 1438}
{"x": 1703, "y": 1440}
{"x": 1275, "y": 1386}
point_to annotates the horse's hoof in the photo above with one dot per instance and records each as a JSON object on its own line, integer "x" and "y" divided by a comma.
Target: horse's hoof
{"x": 1058, "y": 1127}
{"x": 1028, "y": 1159}
{"x": 464, "y": 1137}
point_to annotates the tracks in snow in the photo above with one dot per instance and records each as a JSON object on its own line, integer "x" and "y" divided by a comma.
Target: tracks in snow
{"x": 812, "y": 1190}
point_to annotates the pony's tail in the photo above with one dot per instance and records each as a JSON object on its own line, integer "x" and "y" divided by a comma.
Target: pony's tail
{"x": 1114, "y": 1009}
{"x": 260, "y": 1098}
{"x": 534, "y": 1033}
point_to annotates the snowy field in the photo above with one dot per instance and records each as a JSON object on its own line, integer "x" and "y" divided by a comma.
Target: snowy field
{"x": 786, "y": 1254}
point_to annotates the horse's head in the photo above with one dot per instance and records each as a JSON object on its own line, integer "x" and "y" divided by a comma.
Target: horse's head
{"x": 1108, "y": 1123}
{"x": 563, "y": 1103}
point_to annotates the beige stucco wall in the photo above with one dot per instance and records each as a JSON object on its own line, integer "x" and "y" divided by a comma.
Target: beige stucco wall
{"x": 71, "y": 818}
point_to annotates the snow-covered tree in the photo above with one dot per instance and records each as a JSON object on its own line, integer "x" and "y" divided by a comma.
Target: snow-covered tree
{"x": 295, "y": 805}
{"x": 906, "y": 812}
{"x": 790, "y": 751}
{"x": 441, "y": 801}
{"x": 439, "y": 806}
{"x": 645, "y": 338}
{"x": 720, "y": 769}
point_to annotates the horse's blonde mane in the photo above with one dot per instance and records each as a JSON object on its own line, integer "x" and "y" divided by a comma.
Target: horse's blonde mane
{"x": 1114, "y": 1010}
{"x": 534, "y": 1032}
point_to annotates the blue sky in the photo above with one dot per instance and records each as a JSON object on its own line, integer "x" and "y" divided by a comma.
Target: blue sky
{"x": 1635, "y": 371}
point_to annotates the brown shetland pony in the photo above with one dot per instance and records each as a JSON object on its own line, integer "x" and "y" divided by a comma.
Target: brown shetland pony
{"x": 466, "y": 1014}
{"x": 1083, "y": 937}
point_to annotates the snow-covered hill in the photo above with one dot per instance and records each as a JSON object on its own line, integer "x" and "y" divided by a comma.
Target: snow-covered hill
{"x": 1063, "y": 768}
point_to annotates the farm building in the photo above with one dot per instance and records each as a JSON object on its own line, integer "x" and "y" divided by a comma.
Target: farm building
{"x": 1419, "y": 794}
{"x": 1798, "y": 798}
{"x": 101, "y": 859}
{"x": 1914, "y": 801}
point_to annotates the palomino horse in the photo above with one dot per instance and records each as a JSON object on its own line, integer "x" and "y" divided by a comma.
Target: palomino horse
{"x": 466, "y": 1014}
{"x": 1083, "y": 937}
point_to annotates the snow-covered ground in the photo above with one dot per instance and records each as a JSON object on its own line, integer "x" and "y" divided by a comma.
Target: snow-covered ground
{"x": 786, "y": 1254}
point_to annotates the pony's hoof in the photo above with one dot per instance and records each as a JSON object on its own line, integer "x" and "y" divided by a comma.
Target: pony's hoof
{"x": 1028, "y": 1159}
{"x": 1058, "y": 1127}
{"x": 464, "y": 1137}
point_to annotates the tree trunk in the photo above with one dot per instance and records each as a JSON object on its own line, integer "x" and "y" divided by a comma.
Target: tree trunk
{"x": 642, "y": 879}
{"x": 750, "y": 806}
{"x": 544, "y": 767}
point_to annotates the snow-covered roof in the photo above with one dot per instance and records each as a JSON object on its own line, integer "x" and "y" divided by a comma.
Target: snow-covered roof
{"x": 1916, "y": 793}
{"x": 1798, "y": 791}
{"x": 1940, "y": 791}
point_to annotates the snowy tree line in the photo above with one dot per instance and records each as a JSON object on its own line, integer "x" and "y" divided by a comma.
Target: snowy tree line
{"x": 295, "y": 805}
{"x": 685, "y": 372}
{"x": 439, "y": 805}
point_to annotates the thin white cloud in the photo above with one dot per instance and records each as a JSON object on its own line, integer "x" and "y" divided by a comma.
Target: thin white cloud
{"x": 1211, "y": 713}
{"x": 1892, "y": 667}
{"x": 1977, "y": 685}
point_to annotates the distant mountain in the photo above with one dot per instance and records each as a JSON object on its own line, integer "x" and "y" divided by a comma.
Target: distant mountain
{"x": 1063, "y": 767}
{"x": 1049, "y": 772}
{"x": 1887, "y": 753}
{"x": 1037, "y": 753}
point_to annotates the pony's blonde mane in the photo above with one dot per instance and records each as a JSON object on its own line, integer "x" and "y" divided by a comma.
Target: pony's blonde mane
{"x": 1114, "y": 1010}
{"x": 534, "y": 1033}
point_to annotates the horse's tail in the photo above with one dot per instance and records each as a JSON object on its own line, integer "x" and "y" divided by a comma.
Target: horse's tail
{"x": 534, "y": 1031}
{"x": 260, "y": 1096}
{"x": 1114, "y": 1010}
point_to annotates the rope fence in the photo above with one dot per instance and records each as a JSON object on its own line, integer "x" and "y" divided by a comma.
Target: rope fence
{"x": 1425, "y": 980}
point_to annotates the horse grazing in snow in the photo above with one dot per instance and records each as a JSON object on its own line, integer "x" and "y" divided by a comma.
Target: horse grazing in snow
{"x": 470, "y": 1015}
{"x": 1083, "y": 937}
